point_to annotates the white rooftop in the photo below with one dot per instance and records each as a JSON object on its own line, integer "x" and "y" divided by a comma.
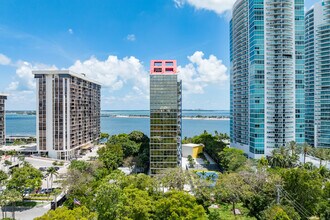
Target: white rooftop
{"x": 55, "y": 72}
{"x": 192, "y": 145}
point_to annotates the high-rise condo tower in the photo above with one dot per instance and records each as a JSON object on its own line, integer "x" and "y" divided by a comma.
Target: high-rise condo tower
{"x": 317, "y": 26}
{"x": 68, "y": 112}
{"x": 267, "y": 74}
{"x": 165, "y": 116}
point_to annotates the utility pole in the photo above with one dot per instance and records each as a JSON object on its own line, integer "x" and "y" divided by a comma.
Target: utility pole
{"x": 278, "y": 196}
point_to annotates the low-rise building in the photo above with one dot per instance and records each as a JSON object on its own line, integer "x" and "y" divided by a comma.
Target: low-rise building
{"x": 192, "y": 149}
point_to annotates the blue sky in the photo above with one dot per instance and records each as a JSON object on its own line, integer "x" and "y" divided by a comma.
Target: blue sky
{"x": 113, "y": 42}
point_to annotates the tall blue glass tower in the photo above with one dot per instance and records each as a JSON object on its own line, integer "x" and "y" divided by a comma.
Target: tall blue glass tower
{"x": 313, "y": 19}
{"x": 267, "y": 74}
{"x": 318, "y": 75}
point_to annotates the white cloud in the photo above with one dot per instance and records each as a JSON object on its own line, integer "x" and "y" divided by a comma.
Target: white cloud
{"x": 179, "y": 3}
{"x": 131, "y": 37}
{"x": 201, "y": 72}
{"x": 70, "y": 31}
{"x": 13, "y": 86}
{"x": 24, "y": 79}
{"x": 113, "y": 73}
{"x": 4, "y": 60}
{"x": 21, "y": 100}
{"x": 218, "y": 6}
{"x": 22, "y": 89}
{"x": 128, "y": 75}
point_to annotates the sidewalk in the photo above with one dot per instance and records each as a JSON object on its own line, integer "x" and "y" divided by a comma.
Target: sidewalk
{"x": 26, "y": 213}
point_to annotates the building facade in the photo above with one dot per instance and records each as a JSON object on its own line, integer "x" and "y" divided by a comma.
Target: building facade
{"x": 239, "y": 129}
{"x": 313, "y": 19}
{"x": 165, "y": 116}
{"x": 318, "y": 75}
{"x": 68, "y": 112}
{"x": 267, "y": 75}
{"x": 2, "y": 119}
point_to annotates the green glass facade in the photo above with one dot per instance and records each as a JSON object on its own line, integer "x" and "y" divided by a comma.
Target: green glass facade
{"x": 165, "y": 122}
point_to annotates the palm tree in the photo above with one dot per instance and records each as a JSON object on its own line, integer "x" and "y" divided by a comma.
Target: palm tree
{"x": 213, "y": 176}
{"x": 51, "y": 172}
{"x": 292, "y": 145}
{"x": 327, "y": 156}
{"x": 273, "y": 158}
{"x": 321, "y": 153}
{"x": 203, "y": 174}
{"x": 305, "y": 149}
{"x": 9, "y": 197}
{"x": 13, "y": 196}
{"x": 282, "y": 151}
{"x": 14, "y": 154}
{"x": 21, "y": 159}
{"x": 279, "y": 158}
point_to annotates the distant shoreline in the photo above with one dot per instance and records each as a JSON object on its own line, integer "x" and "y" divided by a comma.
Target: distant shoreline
{"x": 106, "y": 115}
{"x": 212, "y": 118}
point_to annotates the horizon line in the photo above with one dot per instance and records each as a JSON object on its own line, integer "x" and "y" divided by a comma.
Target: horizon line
{"x": 135, "y": 110}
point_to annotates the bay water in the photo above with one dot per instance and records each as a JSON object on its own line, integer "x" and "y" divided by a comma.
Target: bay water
{"x": 126, "y": 121}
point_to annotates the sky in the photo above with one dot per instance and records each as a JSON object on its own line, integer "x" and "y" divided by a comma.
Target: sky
{"x": 112, "y": 42}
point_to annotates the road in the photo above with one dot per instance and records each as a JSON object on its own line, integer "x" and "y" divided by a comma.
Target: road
{"x": 26, "y": 213}
{"x": 314, "y": 161}
{"x": 45, "y": 162}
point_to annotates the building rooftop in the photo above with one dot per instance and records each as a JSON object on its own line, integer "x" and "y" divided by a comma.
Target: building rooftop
{"x": 69, "y": 72}
{"x": 192, "y": 145}
{"x": 163, "y": 67}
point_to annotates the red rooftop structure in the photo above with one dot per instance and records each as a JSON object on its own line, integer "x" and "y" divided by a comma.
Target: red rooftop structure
{"x": 163, "y": 67}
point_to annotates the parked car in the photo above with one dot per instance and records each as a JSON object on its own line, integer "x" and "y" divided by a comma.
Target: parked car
{"x": 46, "y": 191}
{"x": 27, "y": 192}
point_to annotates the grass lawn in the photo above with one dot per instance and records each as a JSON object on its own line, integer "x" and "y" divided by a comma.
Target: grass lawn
{"x": 28, "y": 203}
{"x": 224, "y": 212}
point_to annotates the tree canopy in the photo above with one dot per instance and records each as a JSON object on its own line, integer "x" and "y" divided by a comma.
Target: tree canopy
{"x": 231, "y": 159}
{"x": 24, "y": 178}
{"x": 276, "y": 187}
{"x": 63, "y": 213}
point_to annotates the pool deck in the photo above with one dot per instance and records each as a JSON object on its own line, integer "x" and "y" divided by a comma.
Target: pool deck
{"x": 200, "y": 164}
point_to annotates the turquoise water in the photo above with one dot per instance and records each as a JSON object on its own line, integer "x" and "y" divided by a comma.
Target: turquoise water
{"x": 184, "y": 112}
{"x": 20, "y": 125}
{"x": 26, "y": 124}
{"x": 209, "y": 174}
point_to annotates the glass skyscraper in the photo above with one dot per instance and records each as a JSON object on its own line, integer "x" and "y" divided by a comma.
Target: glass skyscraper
{"x": 165, "y": 116}
{"x": 267, "y": 74}
{"x": 317, "y": 22}
{"x": 313, "y": 19}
